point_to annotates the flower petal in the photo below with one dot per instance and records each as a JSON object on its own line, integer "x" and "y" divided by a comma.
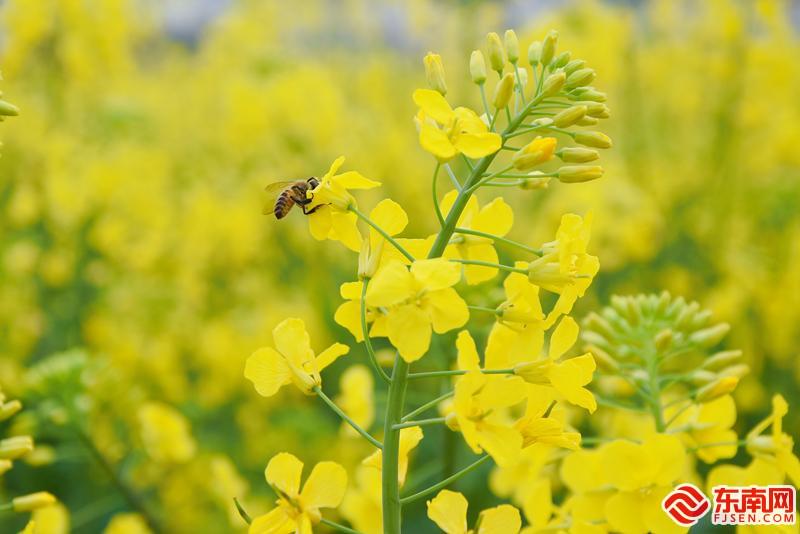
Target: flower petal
{"x": 390, "y": 216}
{"x": 503, "y": 519}
{"x": 503, "y": 443}
{"x": 449, "y": 511}
{"x": 283, "y": 473}
{"x": 325, "y": 486}
{"x": 409, "y": 331}
{"x": 436, "y": 273}
{"x": 435, "y": 141}
{"x": 433, "y": 104}
{"x": 348, "y": 315}
{"x": 353, "y": 180}
{"x": 476, "y": 274}
{"x": 267, "y": 370}
{"x": 447, "y": 310}
{"x": 345, "y": 229}
{"x": 563, "y": 337}
{"x": 276, "y": 521}
{"x": 292, "y": 340}
{"x": 391, "y": 285}
{"x": 329, "y": 355}
{"x": 477, "y": 145}
{"x": 468, "y": 359}
{"x": 319, "y": 223}
{"x": 570, "y": 376}
{"x": 495, "y": 218}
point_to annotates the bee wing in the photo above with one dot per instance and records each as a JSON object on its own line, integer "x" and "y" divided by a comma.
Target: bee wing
{"x": 277, "y": 187}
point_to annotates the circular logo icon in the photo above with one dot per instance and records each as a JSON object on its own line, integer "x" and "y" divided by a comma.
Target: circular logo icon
{"x": 686, "y": 505}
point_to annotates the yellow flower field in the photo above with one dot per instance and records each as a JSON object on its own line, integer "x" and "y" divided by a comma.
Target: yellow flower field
{"x": 385, "y": 267}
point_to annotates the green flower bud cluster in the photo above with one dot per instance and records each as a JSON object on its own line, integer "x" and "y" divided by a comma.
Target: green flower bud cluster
{"x": 647, "y": 338}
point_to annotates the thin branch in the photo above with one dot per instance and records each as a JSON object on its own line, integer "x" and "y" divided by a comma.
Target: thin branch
{"x": 332, "y": 405}
{"x": 446, "y": 482}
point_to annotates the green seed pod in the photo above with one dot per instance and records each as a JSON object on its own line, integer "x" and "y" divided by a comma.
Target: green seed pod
{"x": 497, "y": 55}
{"x": 561, "y": 60}
{"x": 434, "y": 73}
{"x": 580, "y": 78}
{"x": 549, "y": 47}
{"x": 503, "y": 91}
{"x": 574, "y": 65}
{"x": 553, "y": 83}
{"x": 512, "y": 46}
{"x": 569, "y": 116}
{"x": 477, "y": 67}
{"x": 593, "y": 139}
{"x": 535, "y": 53}
{"x": 587, "y": 93}
{"x": 573, "y": 174}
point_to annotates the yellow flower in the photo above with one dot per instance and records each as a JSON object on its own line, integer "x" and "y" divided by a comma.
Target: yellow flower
{"x": 409, "y": 439}
{"x": 330, "y": 202}
{"x": 538, "y": 151}
{"x": 778, "y": 445}
{"x": 127, "y": 523}
{"x": 297, "y": 511}
{"x": 449, "y": 511}
{"x": 348, "y": 314}
{"x": 478, "y": 403}
{"x": 569, "y": 376}
{"x": 543, "y": 424}
{"x": 53, "y": 519}
{"x": 166, "y": 433}
{"x": 710, "y": 423}
{"x": 519, "y": 330}
{"x": 565, "y": 267}
{"x": 292, "y": 360}
{"x": 495, "y": 218}
{"x": 445, "y": 132}
{"x": 356, "y": 397}
{"x": 392, "y": 219}
{"x": 362, "y": 505}
{"x": 417, "y": 300}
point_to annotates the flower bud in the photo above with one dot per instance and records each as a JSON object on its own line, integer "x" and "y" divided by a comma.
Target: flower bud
{"x": 702, "y": 377}
{"x": 739, "y": 370}
{"x": 8, "y": 409}
{"x": 561, "y": 60}
{"x": 5, "y": 466}
{"x": 8, "y": 109}
{"x": 569, "y": 116}
{"x": 512, "y": 46}
{"x": 573, "y": 174}
{"x": 580, "y": 77}
{"x": 577, "y": 155}
{"x": 451, "y": 420}
{"x": 718, "y": 388}
{"x": 368, "y": 259}
{"x": 16, "y": 447}
{"x": 721, "y": 359}
{"x": 574, "y": 65}
{"x": 497, "y": 56}
{"x": 593, "y": 139}
{"x": 549, "y": 47}
{"x": 597, "y": 110}
{"x": 588, "y": 121}
{"x": 523, "y": 79}
{"x": 553, "y": 83}
{"x": 535, "y": 53}
{"x": 603, "y": 359}
{"x": 708, "y": 337}
{"x": 33, "y": 501}
{"x": 434, "y": 72}
{"x": 503, "y": 91}
{"x": 477, "y": 67}
{"x": 587, "y": 93}
{"x": 663, "y": 340}
{"x": 533, "y": 372}
{"x": 534, "y": 153}
{"x": 531, "y": 184}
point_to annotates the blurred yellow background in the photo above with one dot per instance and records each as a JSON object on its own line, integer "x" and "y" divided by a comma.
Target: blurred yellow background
{"x": 131, "y": 196}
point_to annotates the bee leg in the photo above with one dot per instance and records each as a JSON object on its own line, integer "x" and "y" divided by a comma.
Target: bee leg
{"x": 310, "y": 211}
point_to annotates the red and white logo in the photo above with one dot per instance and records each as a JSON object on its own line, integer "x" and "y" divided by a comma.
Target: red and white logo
{"x": 733, "y": 505}
{"x": 686, "y": 505}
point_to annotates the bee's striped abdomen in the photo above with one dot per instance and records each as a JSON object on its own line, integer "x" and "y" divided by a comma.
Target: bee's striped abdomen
{"x": 283, "y": 205}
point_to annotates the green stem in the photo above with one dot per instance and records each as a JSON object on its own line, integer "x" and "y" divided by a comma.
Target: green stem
{"x": 242, "y": 512}
{"x": 381, "y": 231}
{"x": 436, "y": 208}
{"x": 365, "y": 332}
{"x": 446, "y": 482}
{"x": 134, "y": 500}
{"x": 486, "y": 105}
{"x": 332, "y": 405}
{"x": 499, "y": 239}
{"x": 421, "y": 422}
{"x": 7, "y": 507}
{"x": 427, "y": 406}
{"x": 458, "y": 372}
{"x": 337, "y": 527}
{"x": 480, "y": 263}
{"x": 519, "y": 84}
{"x": 486, "y": 309}
{"x": 453, "y": 177}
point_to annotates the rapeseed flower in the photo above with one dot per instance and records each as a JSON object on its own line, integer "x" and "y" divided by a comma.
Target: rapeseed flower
{"x": 291, "y": 361}
{"x": 445, "y": 132}
{"x": 348, "y": 314}
{"x": 495, "y": 218}
{"x": 296, "y": 510}
{"x": 418, "y": 300}
{"x": 356, "y": 397}
{"x": 708, "y": 428}
{"x": 519, "y": 329}
{"x": 409, "y": 439}
{"x": 166, "y": 433}
{"x": 776, "y": 446}
{"x": 331, "y": 202}
{"x": 449, "y": 511}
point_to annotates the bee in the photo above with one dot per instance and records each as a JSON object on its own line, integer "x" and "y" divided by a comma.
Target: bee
{"x": 291, "y": 193}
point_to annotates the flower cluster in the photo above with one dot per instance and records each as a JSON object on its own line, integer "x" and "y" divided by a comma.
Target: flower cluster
{"x": 410, "y": 296}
